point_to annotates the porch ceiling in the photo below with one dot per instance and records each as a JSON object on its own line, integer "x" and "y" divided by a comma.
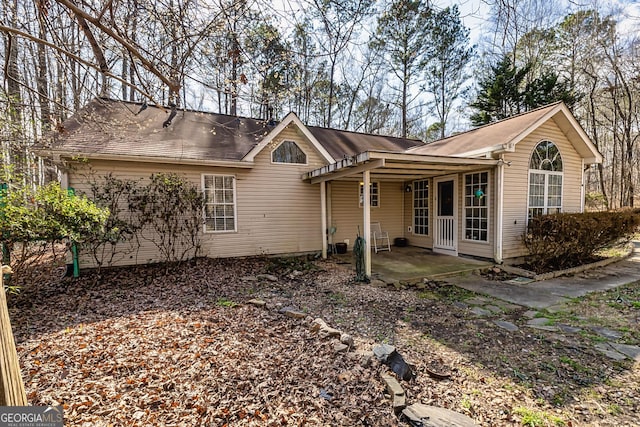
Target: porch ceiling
{"x": 396, "y": 167}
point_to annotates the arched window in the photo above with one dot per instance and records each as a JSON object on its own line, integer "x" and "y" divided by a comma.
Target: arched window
{"x": 289, "y": 152}
{"x": 545, "y": 179}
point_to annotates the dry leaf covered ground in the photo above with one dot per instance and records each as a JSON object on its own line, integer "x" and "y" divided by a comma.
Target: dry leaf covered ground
{"x": 145, "y": 346}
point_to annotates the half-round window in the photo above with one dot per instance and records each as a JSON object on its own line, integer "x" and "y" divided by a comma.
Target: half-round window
{"x": 546, "y": 157}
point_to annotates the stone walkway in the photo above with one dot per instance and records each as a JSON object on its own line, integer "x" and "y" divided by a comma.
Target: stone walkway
{"x": 493, "y": 308}
{"x": 552, "y": 296}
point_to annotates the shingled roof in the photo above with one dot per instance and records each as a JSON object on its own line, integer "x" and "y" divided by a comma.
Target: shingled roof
{"x": 106, "y": 127}
{"x": 125, "y": 129}
{"x": 503, "y": 135}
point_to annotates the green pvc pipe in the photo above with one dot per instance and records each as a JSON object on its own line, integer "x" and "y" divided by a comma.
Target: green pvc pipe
{"x": 76, "y": 264}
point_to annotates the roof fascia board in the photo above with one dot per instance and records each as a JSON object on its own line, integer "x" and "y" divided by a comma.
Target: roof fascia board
{"x": 341, "y": 173}
{"x": 290, "y": 118}
{"x": 422, "y": 158}
{"x": 147, "y": 159}
{"x": 560, "y": 108}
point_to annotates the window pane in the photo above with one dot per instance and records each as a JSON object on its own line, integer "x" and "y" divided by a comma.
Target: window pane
{"x": 476, "y": 210}
{"x": 219, "y": 209}
{"x": 421, "y": 207}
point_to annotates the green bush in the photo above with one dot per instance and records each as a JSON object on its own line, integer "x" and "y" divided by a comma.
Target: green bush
{"x": 566, "y": 240}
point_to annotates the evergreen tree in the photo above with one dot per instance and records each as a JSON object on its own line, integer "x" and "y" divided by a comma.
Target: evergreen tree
{"x": 504, "y": 92}
{"x": 499, "y": 95}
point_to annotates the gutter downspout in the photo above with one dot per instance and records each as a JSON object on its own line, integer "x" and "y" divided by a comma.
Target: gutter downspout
{"x": 497, "y": 256}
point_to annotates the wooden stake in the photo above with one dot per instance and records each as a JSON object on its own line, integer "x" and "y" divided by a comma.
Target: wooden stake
{"x": 11, "y": 386}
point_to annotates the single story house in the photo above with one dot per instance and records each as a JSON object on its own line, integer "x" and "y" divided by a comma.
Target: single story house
{"x": 286, "y": 184}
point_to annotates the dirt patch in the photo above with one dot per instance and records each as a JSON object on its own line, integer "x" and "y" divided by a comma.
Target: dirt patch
{"x": 137, "y": 346}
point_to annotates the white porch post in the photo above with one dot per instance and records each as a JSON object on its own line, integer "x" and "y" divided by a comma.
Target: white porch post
{"x": 366, "y": 220}
{"x": 323, "y": 210}
{"x": 497, "y": 256}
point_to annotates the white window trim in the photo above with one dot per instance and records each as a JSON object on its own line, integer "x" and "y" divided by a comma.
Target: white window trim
{"x": 488, "y": 207}
{"x": 373, "y": 183}
{"x": 413, "y": 208}
{"x": 235, "y": 205}
{"x": 306, "y": 155}
{"x": 545, "y": 206}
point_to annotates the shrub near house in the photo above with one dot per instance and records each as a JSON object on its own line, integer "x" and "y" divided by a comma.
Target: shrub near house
{"x": 566, "y": 240}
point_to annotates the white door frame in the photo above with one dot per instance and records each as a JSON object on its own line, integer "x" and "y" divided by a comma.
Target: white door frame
{"x": 445, "y": 227}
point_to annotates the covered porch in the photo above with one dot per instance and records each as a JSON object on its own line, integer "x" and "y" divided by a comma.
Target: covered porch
{"x": 413, "y": 264}
{"x": 396, "y": 172}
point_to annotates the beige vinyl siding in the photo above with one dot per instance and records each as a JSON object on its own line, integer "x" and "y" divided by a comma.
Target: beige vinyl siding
{"x": 277, "y": 212}
{"x": 346, "y": 213}
{"x": 516, "y": 185}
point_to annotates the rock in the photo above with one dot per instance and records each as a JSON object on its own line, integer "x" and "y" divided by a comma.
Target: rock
{"x": 249, "y": 279}
{"x": 432, "y": 416}
{"x": 493, "y": 308}
{"x": 269, "y": 277}
{"x": 340, "y": 347}
{"x": 607, "y": 333}
{"x": 347, "y": 339}
{"x": 539, "y": 321}
{"x": 383, "y": 351}
{"x": 480, "y": 311}
{"x": 324, "y": 330}
{"x": 292, "y": 312}
{"x": 608, "y": 351}
{"x": 393, "y": 386}
{"x": 257, "y": 302}
{"x": 476, "y": 301}
{"x": 567, "y": 329}
{"x": 295, "y": 314}
{"x": 399, "y": 403}
{"x": 365, "y": 357}
{"x": 506, "y": 325}
{"x": 460, "y": 305}
{"x": 378, "y": 283}
{"x": 531, "y": 314}
{"x": 631, "y": 351}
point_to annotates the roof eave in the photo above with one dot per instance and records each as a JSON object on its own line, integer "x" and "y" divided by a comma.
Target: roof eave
{"x": 60, "y": 154}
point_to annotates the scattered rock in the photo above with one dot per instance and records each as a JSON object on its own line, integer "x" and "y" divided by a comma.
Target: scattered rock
{"x": 378, "y": 283}
{"x": 477, "y": 301}
{"x": 480, "y": 311}
{"x": 531, "y": 314}
{"x": 257, "y": 302}
{"x": 269, "y": 277}
{"x": 396, "y": 391}
{"x": 607, "y": 333}
{"x": 347, "y": 339}
{"x": 460, "y": 305}
{"x": 432, "y": 416}
{"x": 506, "y": 325}
{"x": 320, "y": 326}
{"x": 493, "y": 308}
{"x": 340, "y": 347}
{"x": 608, "y": 351}
{"x": 631, "y": 351}
{"x": 542, "y": 323}
{"x": 292, "y": 312}
{"x": 567, "y": 329}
